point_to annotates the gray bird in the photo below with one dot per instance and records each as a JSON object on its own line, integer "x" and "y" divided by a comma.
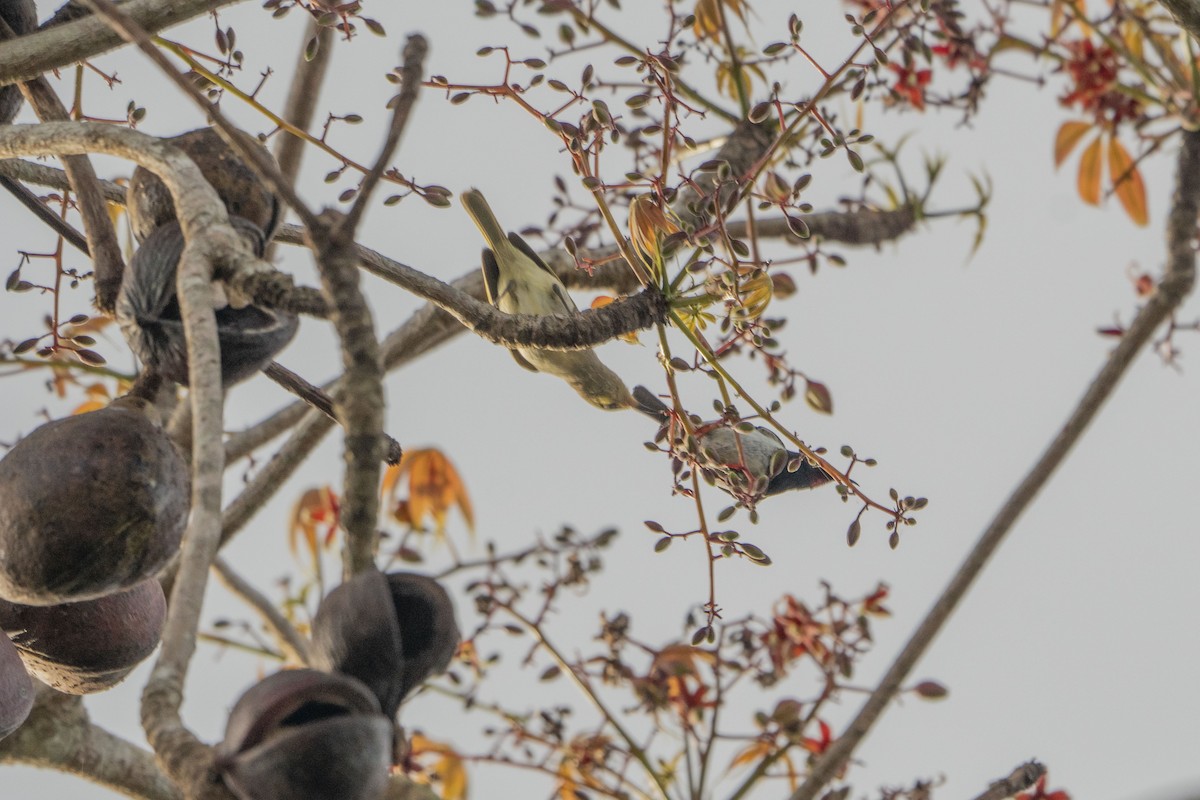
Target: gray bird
{"x": 748, "y": 466}
{"x": 519, "y": 282}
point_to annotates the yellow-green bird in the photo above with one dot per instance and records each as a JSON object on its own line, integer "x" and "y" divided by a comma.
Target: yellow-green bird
{"x": 519, "y": 282}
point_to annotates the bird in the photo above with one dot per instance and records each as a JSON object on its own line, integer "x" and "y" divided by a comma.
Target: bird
{"x": 747, "y": 465}
{"x": 147, "y": 308}
{"x": 517, "y": 281}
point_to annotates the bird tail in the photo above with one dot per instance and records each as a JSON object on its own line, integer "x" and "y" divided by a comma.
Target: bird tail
{"x": 479, "y": 210}
{"x": 649, "y": 404}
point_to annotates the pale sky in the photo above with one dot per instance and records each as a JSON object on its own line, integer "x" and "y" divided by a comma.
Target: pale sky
{"x": 1077, "y": 645}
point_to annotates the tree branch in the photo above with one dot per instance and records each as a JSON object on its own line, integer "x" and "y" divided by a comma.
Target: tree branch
{"x": 62, "y": 45}
{"x": 294, "y": 646}
{"x": 1176, "y": 284}
{"x": 308, "y": 76}
{"x": 101, "y": 238}
{"x": 59, "y": 735}
{"x": 1019, "y": 780}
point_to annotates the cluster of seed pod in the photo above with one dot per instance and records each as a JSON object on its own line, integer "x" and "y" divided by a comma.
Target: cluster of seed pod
{"x": 328, "y": 732}
{"x": 92, "y": 507}
{"x": 147, "y": 307}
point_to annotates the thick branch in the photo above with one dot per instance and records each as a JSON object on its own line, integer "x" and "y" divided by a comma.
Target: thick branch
{"x": 741, "y": 151}
{"x": 360, "y": 403}
{"x": 58, "y": 735}
{"x": 184, "y": 757}
{"x": 61, "y": 45}
{"x": 1176, "y": 284}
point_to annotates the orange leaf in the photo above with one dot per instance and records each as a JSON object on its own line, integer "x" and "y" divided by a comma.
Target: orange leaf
{"x": 603, "y": 300}
{"x": 1127, "y": 182}
{"x": 90, "y": 405}
{"x": 1069, "y": 134}
{"x": 434, "y": 486}
{"x": 755, "y": 751}
{"x": 1091, "y": 168}
{"x": 708, "y": 19}
{"x": 446, "y": 767}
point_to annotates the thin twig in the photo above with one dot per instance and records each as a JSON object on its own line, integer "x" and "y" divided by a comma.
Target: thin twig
{"x": 294, "y": 646}
{"x": 40, "y": 210}
{"x": 271, "y": 477}
{"x": 307, "y": 78}
{"x": 316, "y": 397}
{"x": 415, "y": 50}
{"x": 108, "y": 263}
{"x": 261, "y": 162}
{"x": 1176, "y": 284}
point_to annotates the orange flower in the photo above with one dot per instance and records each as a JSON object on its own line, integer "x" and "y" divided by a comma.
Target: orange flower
{"x": 315, "y": 509}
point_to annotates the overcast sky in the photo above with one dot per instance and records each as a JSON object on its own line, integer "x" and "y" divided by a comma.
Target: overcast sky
{"x": 1077, "y": 646}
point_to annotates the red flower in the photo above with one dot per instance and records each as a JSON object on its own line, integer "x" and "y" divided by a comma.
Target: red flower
{"x": 819, "y": 746}
{"x": 911, "y": 83}
{"x": 1094, "y": 72}
{"x": 794, "y": 634}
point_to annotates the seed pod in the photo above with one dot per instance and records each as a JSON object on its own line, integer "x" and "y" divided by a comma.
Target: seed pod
{"x": 89, "y": 505}
{"x": 149, "y": 315}
{"x": 21, "y": 16}
{"x": 89, "y": 646}
{"x": 392, "y": 632}
{"x": 16, "y": 689}
{"x": 244, "y": 194}
{"x": 306, "y": 735}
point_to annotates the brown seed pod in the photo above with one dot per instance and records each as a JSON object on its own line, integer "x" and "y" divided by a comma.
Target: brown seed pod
{"x": 90, "y": 505}
{"x": 241, "y": 190}
{"x": 149, "y": 315}
{"x": 89, "y": 646}
{"x": 392, "y": 632}
{"x": 16, "y": 689}
{"x": 306, "y": 735}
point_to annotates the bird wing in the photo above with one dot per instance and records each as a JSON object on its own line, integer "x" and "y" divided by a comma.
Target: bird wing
{"x": 560, "y": 291}
{"x": 491, "y": 285}
{"x": 491, "y": 276}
